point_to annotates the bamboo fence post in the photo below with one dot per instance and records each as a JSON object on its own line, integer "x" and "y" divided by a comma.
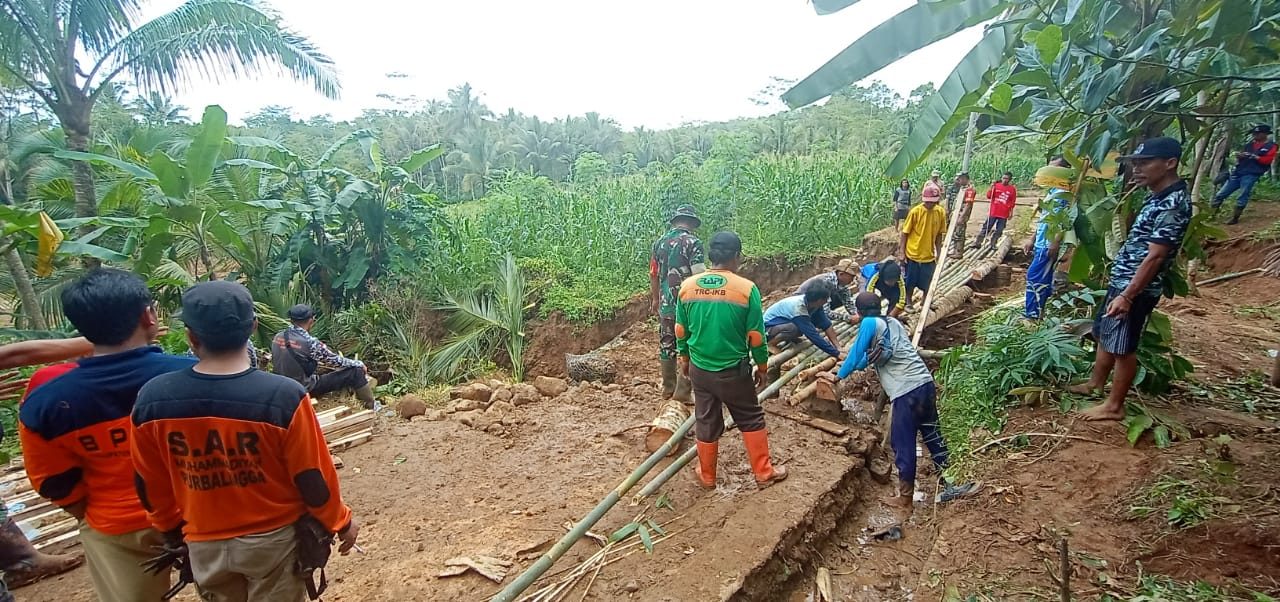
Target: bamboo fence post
{"x": 942, "y": 267}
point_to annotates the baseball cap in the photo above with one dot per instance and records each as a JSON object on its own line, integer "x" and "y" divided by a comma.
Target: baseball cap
{"x": 219, "y": 309}
{"x": 1261, "y": 128}
{"x": 728, "y": 242}
{"x": 301, "y": 312}
{"x": 1162, "y": 147}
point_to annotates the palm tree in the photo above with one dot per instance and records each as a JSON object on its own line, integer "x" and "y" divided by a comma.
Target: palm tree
{"x": 466, "y": 112}
{"x": 158, "y": 110}
{"x": 68, "y": 52}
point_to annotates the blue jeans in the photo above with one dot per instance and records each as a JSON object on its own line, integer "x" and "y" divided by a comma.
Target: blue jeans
{"x": 1039, "y": 283}
{"x": 916, "y": 412}
{"x": 1244, "y": 183}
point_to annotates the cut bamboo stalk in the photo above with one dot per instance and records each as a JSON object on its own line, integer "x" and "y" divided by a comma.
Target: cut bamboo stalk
{"x": 803, "y": 393}
{"x": 822, "y": 366}
{"x": 1226, "y": 277}
{"x": 673, "y": 414}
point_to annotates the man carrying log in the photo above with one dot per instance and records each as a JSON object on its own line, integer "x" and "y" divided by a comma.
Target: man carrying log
{"x": 837, "y": 281}
{"x": 674, "y": 257}
{"x": 297, "y": 354}
{"x": 884, "y": 344}
{"x": 75, "y": 432}
{"x": 1003, "y": 196}
{"x": 719, "y": 330}
{"x": 921, "y": 242}
{"x": 1138, "y": 273}
{"x": 232, "y": 465}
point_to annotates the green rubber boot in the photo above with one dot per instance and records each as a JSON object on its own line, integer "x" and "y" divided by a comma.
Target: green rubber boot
{"x": 668, "y": 377}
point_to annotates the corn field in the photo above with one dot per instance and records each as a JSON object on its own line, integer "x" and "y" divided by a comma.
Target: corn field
{"x": 586, "y": 245}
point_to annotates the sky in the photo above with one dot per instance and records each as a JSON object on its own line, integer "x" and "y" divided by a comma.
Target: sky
{"x": 656, "y": 63}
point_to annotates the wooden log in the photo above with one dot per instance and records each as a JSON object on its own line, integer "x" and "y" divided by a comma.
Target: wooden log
{"x": 803, "y": 393}
{"x": 668, "y": 421}
{"x": 822, "y": 366}
{"x": 825, "y": 426}
{"x": 1226, "y": 277}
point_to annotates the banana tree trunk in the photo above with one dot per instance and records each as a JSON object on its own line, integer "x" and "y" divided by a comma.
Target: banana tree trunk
{"x": 26, "y": 292}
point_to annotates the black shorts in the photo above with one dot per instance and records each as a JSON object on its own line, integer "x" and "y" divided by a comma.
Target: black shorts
{"x": 1121, "y": 335}
{"x": 900, "y": 214}
{"x": 919, "y": 275}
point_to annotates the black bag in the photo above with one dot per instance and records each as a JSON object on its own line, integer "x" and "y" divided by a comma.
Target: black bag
{"x": 315, "y": 543}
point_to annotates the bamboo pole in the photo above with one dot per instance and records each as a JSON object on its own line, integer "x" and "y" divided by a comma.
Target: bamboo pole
{"x": 840, "y": 324}
{"x": 544, "y": 562}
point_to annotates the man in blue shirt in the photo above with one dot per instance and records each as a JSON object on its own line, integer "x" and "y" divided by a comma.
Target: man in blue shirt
{"x": 797, "y": 315}
{"x": 1046, "y": 245}
{"x": 1138, "y": 273}
{"x": 884, "y": 344}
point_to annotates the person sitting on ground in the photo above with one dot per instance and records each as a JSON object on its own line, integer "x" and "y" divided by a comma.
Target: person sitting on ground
{"x": 75, "y": 431}
{"x": 884, "y": 345}
{"x": 1138, "y": 272}
{"x": 1003, "y": 196}
{"x": 232, "y": 465}
{"x": 837, "y": 282}
{"x": 298, "y": 355}
{"x": 885, "y": 279}
{"x": 901, "y": 202}
{"x": 1252, "y": 162}
{"x": 719, "y": 330}
{"x": 788, "y": 319}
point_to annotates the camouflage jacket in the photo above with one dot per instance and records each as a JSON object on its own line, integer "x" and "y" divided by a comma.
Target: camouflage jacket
{"x": 676, "y": 256}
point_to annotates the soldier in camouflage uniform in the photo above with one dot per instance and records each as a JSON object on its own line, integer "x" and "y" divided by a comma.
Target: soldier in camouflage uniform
{"x": 676, "y": 256}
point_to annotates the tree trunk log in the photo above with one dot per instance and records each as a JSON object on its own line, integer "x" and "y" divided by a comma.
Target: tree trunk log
{"x": 77, "y": 130}
{"x": 26, "y": 292}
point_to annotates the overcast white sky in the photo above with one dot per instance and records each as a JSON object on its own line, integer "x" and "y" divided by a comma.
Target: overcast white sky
{"x": 656, "y": 63}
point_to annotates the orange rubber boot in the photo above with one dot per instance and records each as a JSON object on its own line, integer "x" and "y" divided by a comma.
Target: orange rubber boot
{"x": 706, "y": 467}
{"x": 757, "y": 443}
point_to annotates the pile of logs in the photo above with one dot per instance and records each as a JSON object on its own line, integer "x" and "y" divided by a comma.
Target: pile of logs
{"x": 49, "y": 527}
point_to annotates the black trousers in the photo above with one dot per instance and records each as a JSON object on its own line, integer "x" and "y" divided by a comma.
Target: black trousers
{"x": 352, "y": 377}
{"x": 733, "y": 388}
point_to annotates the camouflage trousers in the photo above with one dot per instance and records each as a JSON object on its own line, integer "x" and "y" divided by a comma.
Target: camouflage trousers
{"x": 667, "y": 336}
{"x": 957, "y": 238}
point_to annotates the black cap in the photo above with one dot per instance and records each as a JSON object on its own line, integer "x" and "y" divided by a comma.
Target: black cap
{"x": 221, "y": 309}
{"x": 1162, "y": 147}
{"x": 1261, "y": 128}
{"x": 728, "y": 242}
{"x": 301, "y": 312}
{"x": 890, "y": 272}
{"x": 867, "y": 303}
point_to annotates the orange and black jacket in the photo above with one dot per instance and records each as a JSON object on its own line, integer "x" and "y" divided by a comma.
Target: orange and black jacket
{"x": 75, "y": 435}
{"x": 232, "y": 455}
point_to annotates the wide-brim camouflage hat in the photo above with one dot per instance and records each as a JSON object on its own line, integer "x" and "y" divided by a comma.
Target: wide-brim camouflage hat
{"x": 686, "y": 212}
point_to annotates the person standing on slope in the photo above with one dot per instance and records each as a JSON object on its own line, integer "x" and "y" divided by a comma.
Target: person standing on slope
{"x": 675, "y": 257}
{"x": 719, "y": 330}
{"x": 1138, "y": 273}
{"x": 1252, "y": 162}
{"x": 1003, "y": 196}
{"x": 901, "y": 202}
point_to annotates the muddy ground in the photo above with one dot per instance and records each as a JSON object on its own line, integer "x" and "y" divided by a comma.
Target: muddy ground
{"x": 428, "y": 491}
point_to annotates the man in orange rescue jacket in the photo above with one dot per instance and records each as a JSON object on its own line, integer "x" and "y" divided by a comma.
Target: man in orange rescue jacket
{"x": 75, "y": 432}
{"x": 229, "y": 458}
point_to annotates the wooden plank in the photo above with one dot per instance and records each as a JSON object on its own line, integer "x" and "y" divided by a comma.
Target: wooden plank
{"x": 33, "y": 509}
{"x": 823, "y": 425}
{"x": 352, "y": 441}
{"x": 56, "y": 529}
{"x": 329, "y": 416}
{"x": 358, "y": 418}
{"x": 70, "y": 537}
{"x": 348, "y": 431}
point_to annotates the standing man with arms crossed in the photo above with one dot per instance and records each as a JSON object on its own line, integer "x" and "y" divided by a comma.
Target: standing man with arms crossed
{"x": 901, "y": 202}
{"x": 229, "y": 458}
{"x": 75, "y": 432}
{"x": 1251, "y": 163}
{"x": 921, "y": 242}
{"x": 719, "y": 329}
{"x": 1138, "y": 272}
{"x": 675, "y": 257}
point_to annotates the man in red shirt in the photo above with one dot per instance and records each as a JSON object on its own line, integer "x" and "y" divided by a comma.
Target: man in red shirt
{"x": 1251, "y": 162}
{"x": 1003, "y": 195}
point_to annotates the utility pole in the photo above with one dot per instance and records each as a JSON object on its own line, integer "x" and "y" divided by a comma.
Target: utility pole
{"x": 968, "y": 141}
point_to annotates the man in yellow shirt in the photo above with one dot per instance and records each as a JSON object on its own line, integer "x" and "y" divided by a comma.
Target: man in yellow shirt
{"x": 921, "y": 242}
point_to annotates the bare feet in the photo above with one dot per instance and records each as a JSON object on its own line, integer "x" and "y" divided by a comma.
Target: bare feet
{"x": 1102, "y": 412}
{"x": 1084, "y": 389}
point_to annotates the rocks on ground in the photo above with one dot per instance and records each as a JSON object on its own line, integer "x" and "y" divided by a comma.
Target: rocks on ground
{"x": 493, "y": 406}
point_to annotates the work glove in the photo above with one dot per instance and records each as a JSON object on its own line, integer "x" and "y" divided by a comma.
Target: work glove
{"x": 173, "y": 554}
